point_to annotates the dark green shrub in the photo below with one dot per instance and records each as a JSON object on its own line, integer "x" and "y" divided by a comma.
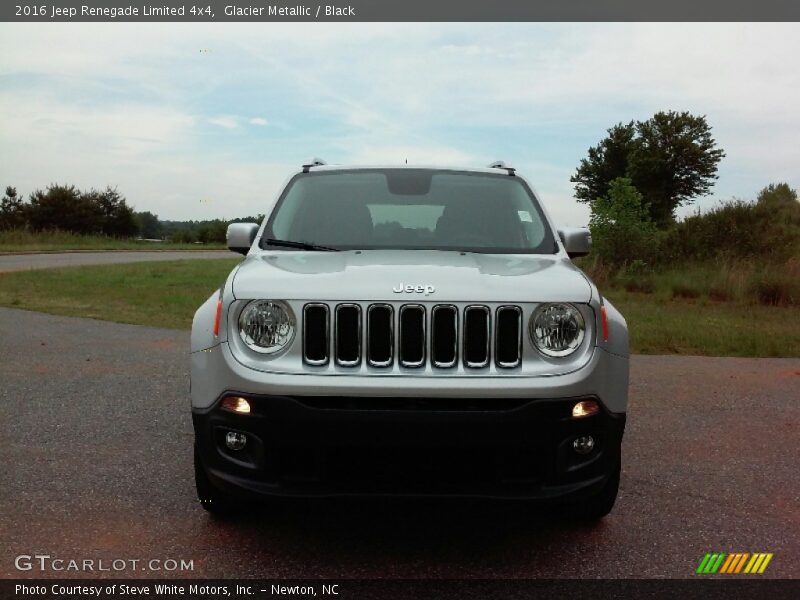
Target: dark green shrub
{"x": 622, "y": 231}
{"x": 768, "y": 229}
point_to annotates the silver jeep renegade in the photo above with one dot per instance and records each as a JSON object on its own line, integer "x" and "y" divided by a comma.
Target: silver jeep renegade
{"x": 408, "y": 331}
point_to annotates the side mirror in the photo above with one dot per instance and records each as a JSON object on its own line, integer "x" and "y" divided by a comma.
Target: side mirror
{"x": 240, "y": 236}
{"x": 577, "y": 242}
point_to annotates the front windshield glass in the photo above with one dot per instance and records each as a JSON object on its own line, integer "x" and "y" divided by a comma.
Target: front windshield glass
{"x": 411, "y": 209}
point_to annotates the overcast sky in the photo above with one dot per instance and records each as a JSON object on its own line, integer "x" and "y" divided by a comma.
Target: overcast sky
{"x": 203, "y": 121}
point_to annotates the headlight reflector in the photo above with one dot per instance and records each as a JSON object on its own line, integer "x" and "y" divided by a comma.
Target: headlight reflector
{"x": 557, "y": 329}
{"x": 266, "y": 326}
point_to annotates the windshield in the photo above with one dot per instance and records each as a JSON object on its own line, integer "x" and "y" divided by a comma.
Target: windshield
{"x": 411, "y": 209}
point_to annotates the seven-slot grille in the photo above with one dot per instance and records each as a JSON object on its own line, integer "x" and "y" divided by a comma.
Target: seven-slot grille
{"x": 442, "y": 338}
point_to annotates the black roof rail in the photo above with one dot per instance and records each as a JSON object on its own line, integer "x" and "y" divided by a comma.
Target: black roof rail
{"x": 499, "y": 164}
{"x": 314, "y": 162}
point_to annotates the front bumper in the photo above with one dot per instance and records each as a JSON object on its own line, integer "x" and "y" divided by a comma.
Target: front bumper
{"x": 216, "y": 370}
{"x": 336, "y": 446}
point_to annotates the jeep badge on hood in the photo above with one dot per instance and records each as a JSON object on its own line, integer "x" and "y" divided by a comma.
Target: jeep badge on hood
{"x": 414, "y": 289}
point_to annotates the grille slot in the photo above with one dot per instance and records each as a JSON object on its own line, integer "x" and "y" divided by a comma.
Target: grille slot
{"x": 412, "y": 335}
{"x": 444, "y": 335}
{"x": 315, "y": 334}
{"x": 348, "y": 335}
{"x": 476, "y": 336}
{"x": 508, "y": 337}
{"x": 380, "y": 338}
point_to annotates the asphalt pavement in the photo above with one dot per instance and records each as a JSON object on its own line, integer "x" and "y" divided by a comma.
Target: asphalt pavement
{"x": 45, "y": 260}
{"x": 97, "y": 464}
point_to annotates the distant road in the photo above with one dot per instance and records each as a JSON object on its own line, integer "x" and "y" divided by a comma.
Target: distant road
{"x": 23, "y": 262}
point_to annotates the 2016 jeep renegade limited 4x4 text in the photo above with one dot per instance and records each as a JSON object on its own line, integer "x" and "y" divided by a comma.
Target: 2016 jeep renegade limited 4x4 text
{"x": 408, "y": 331}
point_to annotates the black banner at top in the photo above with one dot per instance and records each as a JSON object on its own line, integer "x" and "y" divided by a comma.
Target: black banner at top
{"x": 399, "y": 10}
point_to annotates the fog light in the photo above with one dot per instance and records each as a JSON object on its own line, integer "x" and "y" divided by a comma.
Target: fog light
{"x": 582, "y": 445}
{"x": 236, "y": 404}
{"x": 235, "y": 440}
{"x": 585, "y": 408}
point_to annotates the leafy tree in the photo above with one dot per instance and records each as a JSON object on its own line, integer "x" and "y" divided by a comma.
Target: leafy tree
{"x": 606, "y": 162}
{"x": 671, "y": 159}
{"x": 102, "y": 212}
{"x": 212, "y": 231}
{"x": 12, "y": 210}
{"x": 116, "y": 216}
{"x": 775, "y": 195}
{"x": 64, "y": 207}
{"x": 184, "y": 236}
{"x": 251, "y": 219}
{"x": 622, "y": 231}
{"x": 148, "y": 225}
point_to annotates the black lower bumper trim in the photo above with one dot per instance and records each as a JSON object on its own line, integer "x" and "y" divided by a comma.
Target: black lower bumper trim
{"x": 299, "y": 446}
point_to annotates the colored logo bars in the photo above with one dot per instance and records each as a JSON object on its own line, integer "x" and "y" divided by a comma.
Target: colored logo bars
{"x": 742, "y": 562}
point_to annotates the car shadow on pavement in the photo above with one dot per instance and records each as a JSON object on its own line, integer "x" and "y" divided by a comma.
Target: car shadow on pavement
{"x": 406, "y": 529}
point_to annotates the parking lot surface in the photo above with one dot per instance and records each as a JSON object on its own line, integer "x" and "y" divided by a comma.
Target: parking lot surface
{"x": 97, "y": 464}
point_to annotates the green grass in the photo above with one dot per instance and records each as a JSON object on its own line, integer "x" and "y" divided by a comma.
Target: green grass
{"x": 166, "y": 294}
{"x": 720, "y": 308}
{"x": 162, "y": 294}
{"x": 679, "y": 325}
{"x": 26, "y": 241}
{"x": 741, "y": 281}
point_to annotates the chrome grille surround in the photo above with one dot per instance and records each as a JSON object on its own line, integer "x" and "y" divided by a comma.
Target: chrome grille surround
{"x": 314, "y": 361}
{"x": 476, "y": 364}
{"x": 436, "y": 309}
{"x": 413, "y": 364}
{"x": 520, "y": 326}
{"x": 337, "y": 335}
{"x": 390, "y": 360}
{"x": 366, "y": 341}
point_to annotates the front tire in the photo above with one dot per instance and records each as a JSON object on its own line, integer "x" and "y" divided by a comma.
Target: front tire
{"x": 211, "y": 499}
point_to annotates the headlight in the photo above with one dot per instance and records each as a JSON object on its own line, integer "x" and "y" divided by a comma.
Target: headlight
{"x": 557, "y": 329}
{"x": 266, "y": 326}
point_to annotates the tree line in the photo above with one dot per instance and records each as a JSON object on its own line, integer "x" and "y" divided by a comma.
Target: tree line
{"x": 103, "y": 213}
{"x": 636, "y": 177}
{"x": 93, "y": 212}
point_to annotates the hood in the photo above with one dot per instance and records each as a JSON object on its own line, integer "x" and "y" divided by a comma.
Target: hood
{"x": 375, "y": 275}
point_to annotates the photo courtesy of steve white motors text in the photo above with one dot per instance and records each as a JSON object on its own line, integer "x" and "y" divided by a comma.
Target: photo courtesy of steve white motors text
{"x": 172, "y": 589}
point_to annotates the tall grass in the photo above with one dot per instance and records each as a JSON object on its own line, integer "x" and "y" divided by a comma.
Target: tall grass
{"x": 729, "y": 280}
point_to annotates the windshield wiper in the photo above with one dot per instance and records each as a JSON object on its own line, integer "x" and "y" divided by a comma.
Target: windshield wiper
{"x": 299, "y": 245}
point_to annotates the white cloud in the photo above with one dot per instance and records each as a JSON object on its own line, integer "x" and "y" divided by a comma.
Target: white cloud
{"x": 139, "y": 106}
{"x": 225, "y": 122}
